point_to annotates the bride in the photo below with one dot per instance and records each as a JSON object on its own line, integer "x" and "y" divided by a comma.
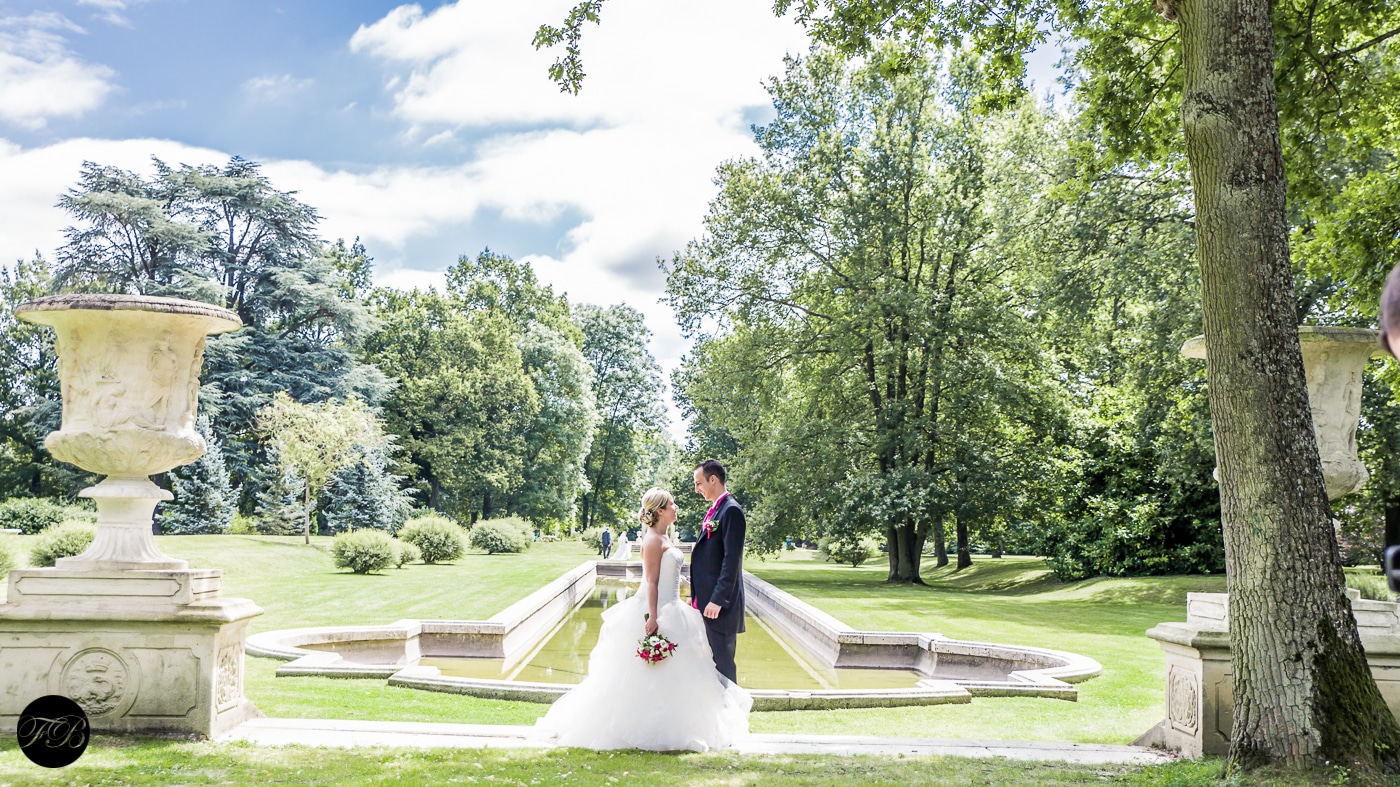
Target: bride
{"x": 680, "y": 703}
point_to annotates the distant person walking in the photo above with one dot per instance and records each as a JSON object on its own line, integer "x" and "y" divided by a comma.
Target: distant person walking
{"x": 607, "y": 543}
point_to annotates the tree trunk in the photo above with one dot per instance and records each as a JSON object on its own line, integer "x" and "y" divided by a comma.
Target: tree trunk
{"x": 905, "y": 547}
{"x": 940, "y": 545}
{"x": 1303, "y": 693}
{"x": 306, "y": 510}
{"x": 964, "y": 553}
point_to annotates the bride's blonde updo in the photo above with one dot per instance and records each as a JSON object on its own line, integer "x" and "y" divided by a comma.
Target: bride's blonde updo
{"x": 653, "y": 501}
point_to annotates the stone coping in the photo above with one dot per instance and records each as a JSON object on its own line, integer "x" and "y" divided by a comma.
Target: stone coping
{"x": 1039, "y": 672}
{"x": 30, "y": 310}
{"x": 1195, "y": 347}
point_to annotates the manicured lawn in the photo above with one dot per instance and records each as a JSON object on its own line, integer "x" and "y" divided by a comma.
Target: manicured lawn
{"x": 298, "y": 585}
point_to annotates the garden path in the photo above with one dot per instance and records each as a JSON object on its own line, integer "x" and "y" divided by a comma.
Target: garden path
{"x": 342, "y": 733}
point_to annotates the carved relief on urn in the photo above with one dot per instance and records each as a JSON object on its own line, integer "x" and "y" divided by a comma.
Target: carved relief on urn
{"x": 1333, "y": 359}
{"x": 129, "y": 370}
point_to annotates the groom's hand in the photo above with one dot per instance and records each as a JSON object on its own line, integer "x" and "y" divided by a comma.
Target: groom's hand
{"x": 712, "y": 610}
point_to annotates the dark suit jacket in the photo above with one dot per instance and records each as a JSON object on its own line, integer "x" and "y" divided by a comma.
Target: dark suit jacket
{"x": 716, "y": 568}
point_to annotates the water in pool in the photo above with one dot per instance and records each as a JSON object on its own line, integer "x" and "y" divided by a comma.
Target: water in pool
{"x": 765, "y": 658}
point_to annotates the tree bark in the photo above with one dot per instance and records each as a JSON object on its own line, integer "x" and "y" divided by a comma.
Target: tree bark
{"x": 940, "y": 547}
{"x": 306, "y": 511}
{"x": 1303, "y": 693}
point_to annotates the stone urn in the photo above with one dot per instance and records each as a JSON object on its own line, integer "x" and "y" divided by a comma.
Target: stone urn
{"x": 129, "y": 369}
{"x": 141, "y": 642}
{"x": 1333, "y": 359}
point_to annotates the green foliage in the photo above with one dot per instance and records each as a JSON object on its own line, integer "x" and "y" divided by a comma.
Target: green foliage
{"x": 363, "y": 494}
{"x": 364, "y": 551}
{"x": 438, "y": 538}
{"x": 314, "y": 441}
{"x": 463, "y": 403}
{"x": 65, "y": 539}
{"x": 627, "y": 388}
{"x": 279, "y": 510}
{"x": 494, "y": 536}
{"x": 593, "y": 537}
{"x": 876, "y": 363}
{"x": 29, "y": 392}
{"x": 1372, "y": 586}
{"x": 225, "y": 235}
{"x": 567, "y": 71}
{"x": 29, "y": 515}
{"x": 243, "y": 525}
{"x": 408, "y": 553}
{"x": 558, "y": 440}
{"x": 9, "y": 555}
{"x": 848, "y": 550}
{"x": 204, "y": 502}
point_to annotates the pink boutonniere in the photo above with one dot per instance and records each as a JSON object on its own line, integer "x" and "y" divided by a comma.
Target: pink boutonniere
{"x": 707, "y": 526}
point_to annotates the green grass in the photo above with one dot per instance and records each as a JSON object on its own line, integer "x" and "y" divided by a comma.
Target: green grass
{"x": 157, "y": 763}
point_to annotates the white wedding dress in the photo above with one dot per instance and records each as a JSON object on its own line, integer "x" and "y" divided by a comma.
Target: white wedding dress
{"x": 679, "y": 704}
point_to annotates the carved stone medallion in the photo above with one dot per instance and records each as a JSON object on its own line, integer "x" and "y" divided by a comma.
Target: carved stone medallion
{"x": 96, "y": 679}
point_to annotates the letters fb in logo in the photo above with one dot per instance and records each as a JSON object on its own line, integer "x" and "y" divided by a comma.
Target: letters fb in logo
{"x": 53, "y": 731}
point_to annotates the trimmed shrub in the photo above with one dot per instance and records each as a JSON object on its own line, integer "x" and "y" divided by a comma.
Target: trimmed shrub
{"x": 439, "y": 539}
{"x": 243, "y": 525}
{"x": 65, "y": 539}
{"x": 9, "y": 556}
{"x": 84, "y": 511}
{"x": 848, "y": 550}
{"x": 30, "y": 514}
{"x": 593, "y": 537}
{"x": 408, "y": 553}
{"x": 363, "y": 551}
{"x": 509, "y": 534}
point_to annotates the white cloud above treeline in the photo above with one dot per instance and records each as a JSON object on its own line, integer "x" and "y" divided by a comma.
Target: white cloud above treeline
{"x": 670, "y": 83}
{"x": 40, "y": 77}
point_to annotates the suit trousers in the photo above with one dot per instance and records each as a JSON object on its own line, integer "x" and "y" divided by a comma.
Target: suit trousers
{"x": 722, "y": 645}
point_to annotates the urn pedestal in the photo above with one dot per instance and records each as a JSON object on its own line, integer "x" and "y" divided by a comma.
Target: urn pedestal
{"x": 139, "y": 640}
{"x": 1200, "y": 685}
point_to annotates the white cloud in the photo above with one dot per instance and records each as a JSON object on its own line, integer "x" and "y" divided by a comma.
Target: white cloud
{"x": 40, "y": 78}
{"x": 111, "y": 10}
{"x": 274, "y": 88}
{"x": 471, "y": 63}
{"x": 669, "y": 83}
{"x": 35, "y": 178}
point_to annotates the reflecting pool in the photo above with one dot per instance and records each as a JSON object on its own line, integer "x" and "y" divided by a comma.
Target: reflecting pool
{"x": 765, "y": 658}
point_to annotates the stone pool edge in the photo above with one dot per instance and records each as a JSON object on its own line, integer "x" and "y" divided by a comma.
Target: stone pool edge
{"x": 512, "y": 634}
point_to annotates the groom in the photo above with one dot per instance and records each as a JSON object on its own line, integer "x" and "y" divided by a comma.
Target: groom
{"x": 716, "y": 566}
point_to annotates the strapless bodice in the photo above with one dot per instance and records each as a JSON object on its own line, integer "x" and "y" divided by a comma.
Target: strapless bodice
{"x": 668, "y": 585}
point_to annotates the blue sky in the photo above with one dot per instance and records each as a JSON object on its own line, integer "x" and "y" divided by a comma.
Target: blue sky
{"x": 429, "y": 130}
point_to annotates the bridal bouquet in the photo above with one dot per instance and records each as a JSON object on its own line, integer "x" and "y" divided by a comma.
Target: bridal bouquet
{"x": 654, "y": 648}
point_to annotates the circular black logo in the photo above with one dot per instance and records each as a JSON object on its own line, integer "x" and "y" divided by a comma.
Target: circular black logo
{"x": 53, "y": 731}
